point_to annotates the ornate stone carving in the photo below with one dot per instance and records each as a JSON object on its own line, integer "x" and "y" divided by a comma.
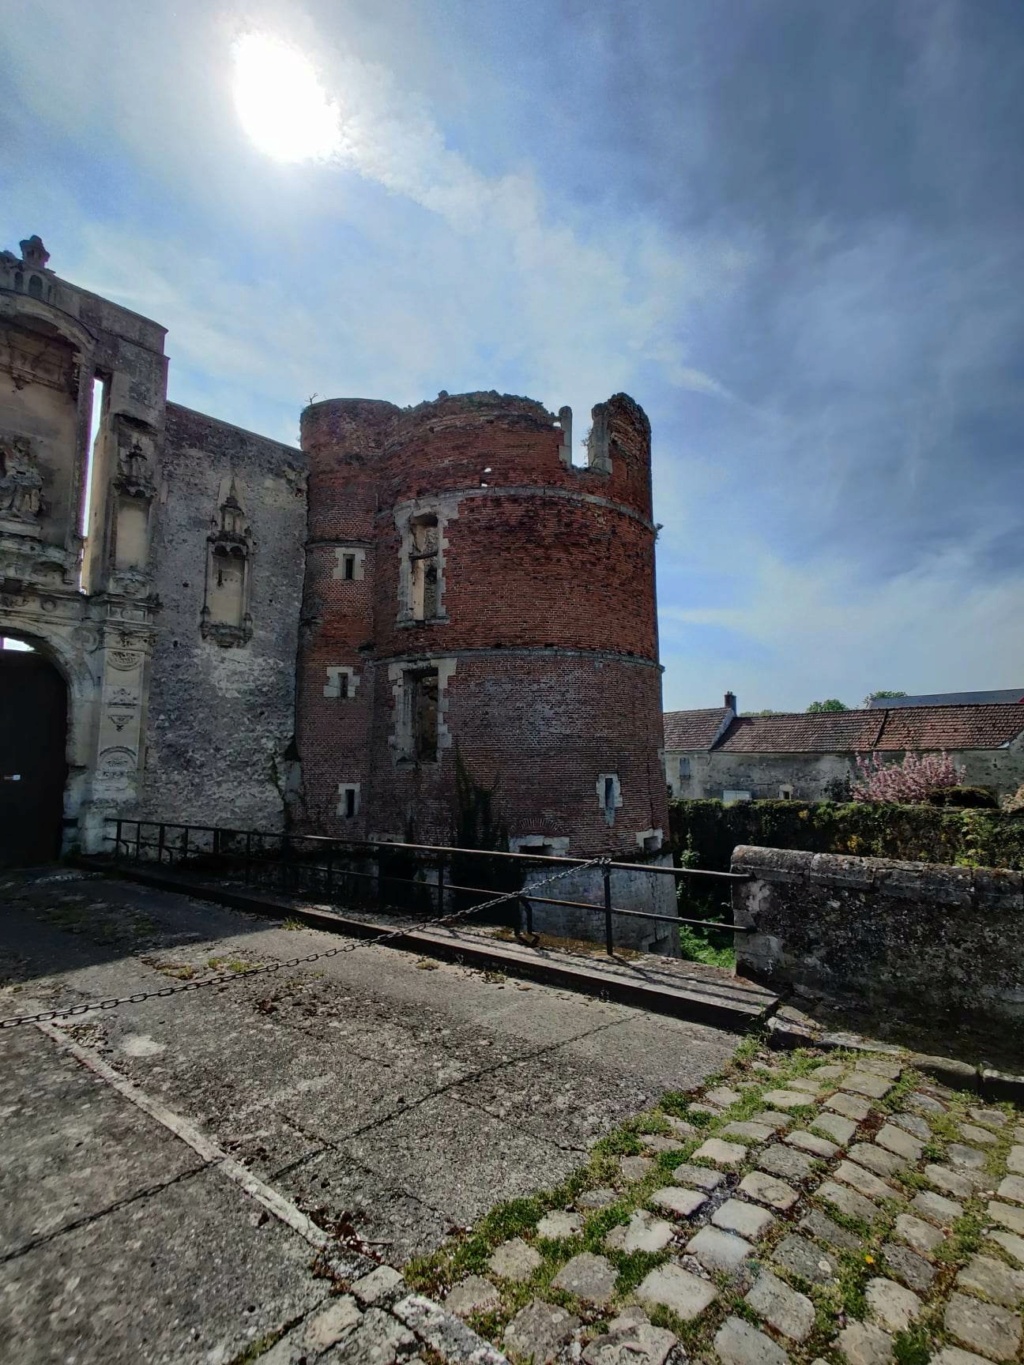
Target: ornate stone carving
{"x": 225, "y": 616}
{"x": 21, "y": 483}
{"x": 33, "y": 253}
{"x": 135, "y": 475}
{"x": 123, "y": 660}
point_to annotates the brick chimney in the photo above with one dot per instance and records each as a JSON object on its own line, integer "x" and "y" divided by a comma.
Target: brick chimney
{"x": 730, "y": 701}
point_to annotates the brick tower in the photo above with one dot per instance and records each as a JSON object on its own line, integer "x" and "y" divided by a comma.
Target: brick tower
{"x": 478, "y": 632}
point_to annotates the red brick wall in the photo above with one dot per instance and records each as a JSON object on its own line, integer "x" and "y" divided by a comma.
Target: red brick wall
{"x": 549, "y": 600}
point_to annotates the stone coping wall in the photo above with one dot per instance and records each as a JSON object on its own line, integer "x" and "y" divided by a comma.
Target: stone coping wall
{"x": 922, "y": 941}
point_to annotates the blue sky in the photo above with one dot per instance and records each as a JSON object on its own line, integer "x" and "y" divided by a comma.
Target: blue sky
{"x": 792, "y": 229}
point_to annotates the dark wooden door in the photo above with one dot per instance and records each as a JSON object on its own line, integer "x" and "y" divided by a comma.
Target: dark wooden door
{"x": 33, "y": 769}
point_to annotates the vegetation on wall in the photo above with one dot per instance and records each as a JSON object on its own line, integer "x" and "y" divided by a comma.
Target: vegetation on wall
{"x": 708, "y": 831}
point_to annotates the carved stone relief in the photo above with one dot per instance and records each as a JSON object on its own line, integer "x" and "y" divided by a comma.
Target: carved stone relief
{"x": 21, "y": 482}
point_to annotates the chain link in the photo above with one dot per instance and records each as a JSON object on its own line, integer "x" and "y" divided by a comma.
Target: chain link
{"x": 221, "y": 978}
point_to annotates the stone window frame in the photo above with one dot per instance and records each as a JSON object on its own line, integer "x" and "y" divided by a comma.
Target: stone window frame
{"x": 342, "y": 682}
{"x": 402, "y": 739}
{"x": 608, "y": 784}
{"x": 650, "y": 840}
{"x": 407, "y": 516}
{"x": 357, "y": 554}
{"x": 348, "y": 790}
{"x": 549, "y": 845}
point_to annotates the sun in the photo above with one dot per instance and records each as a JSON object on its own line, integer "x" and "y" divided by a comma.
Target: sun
{"x": 280, "y": 102}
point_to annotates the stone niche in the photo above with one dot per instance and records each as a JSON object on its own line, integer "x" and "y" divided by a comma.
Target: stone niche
{"x": 38, "y": 426}
{"x": 133, "y": 488}
{"x": 225, "y": 616}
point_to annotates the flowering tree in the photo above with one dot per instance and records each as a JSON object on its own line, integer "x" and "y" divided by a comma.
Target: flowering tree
{"x": 909, "y": 782}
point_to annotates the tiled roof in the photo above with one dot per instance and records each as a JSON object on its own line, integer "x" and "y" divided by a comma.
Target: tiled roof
{"x": 1007, "y": 694}
{"x": 693, "y": 729}
{"x": 915, "y": 727}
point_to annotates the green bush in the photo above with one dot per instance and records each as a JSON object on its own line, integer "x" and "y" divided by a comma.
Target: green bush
{"x": 706, "y": 832}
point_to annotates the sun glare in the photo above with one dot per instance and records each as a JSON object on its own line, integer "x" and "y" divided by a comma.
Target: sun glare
{"x": 281, "y": 103}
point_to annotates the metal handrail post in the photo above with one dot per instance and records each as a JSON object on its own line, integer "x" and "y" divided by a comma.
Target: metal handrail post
{"x": 440, "y": 886}
{"x": 609, "y": 940}
{"x": 160, "y": 844}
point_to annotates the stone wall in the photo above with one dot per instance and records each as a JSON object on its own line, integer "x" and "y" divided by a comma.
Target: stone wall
{"x": 221, "y": 696}
{"x": 814, "y": 777}
{"x": 935, "y": 945}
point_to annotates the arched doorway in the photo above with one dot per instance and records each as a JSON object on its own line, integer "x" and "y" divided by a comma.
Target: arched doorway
{"x": 33, "y": 767}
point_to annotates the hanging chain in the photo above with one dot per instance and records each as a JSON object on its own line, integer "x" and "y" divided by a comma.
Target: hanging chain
{"x": 222, "y": 978}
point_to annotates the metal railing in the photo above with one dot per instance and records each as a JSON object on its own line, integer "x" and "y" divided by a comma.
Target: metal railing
{"x": 366, "y": 871}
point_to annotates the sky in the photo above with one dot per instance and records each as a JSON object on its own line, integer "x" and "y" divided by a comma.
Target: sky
{"x": 793, "y": 230}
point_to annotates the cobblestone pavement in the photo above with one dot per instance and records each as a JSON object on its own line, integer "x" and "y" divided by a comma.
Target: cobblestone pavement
{"x": 814, "y": 1208}
{"x": 211, "y": 1177}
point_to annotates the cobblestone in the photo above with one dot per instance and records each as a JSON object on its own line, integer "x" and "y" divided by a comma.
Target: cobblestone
{"x": 960, "y": 1155}
{"x": 595, "y": 1199}
{"x": 862, "y": 1343}
{"x": 1011, "y": 1244}
{"x": 848, "y": 1201}
{"x": 956, "y": 1183}
{"x": 771, "y": 1118}
{"x": 783, "y": 1308}
{"x": 765, "y": 1189}
{"x": 746, "y": 1219}
{"x": 1015, "y": 1160}
{"x": 672, "y": 1287}
{"x": 803, "y": 1258}
{"x": 993, "y": 1280}
{"x": 515, "y": 1260}
{"x": 897, "y": 1140}
{"x": 864, "y": 1182}
{"x": 850, "y": 1106}
{"x": 700, "y": 1177}
{"x": 474, "y": 1294}
{"x": 1012, "y": 1188}
{"x": 877, "y": 1159}
{"x": 643, "y": 1232}
{"x": 721, "y": 1153}
{"x": 1007, "y": 1216}
{"x": 839, "y": 1128}
{"x": 892, "y": 1306}
{"x": 538, "y": 1332}
{"x": 737, "y": 1343}
{"x": 823, "y": 1228}
{"x": 981, "y": 1137}
{"x": 680, "y": 1202}
{"x": 635, "y": 1167}
{"x": 937, "y": 1208}
{"x": 559, "y": 1224}
{"x": 917, "y": 1233}
{"x": 867, "y": 1083}
{"x": 785, "y": 1163}
{"x": 908, "y": 1267}
{"x": 810, "y": 1142}
{"x": 913, "y": 1124}
{"x": 926, "y": 1104}
{"x": 591, "y": 1278}
{"x": 786, "y": 1099}
{"x": 756, "y": 1132}
{"x": 717, "y": 1250}
{"x": 723, "y": 1096}
{"x": 983, "y": 1327}
{"x": 994, "y": 1117}
{"x": 631, "y": 1344}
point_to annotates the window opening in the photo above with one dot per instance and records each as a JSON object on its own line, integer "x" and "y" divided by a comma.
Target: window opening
{"x": 343, "y": 685}
{"x": 424, "y": 716}
{"x": 423, "y": 557}
{"x": 350, "y": 803}
{"x": 609, "y": 793}
{"x": 8, "y": 643}
{"x": 684, "y": 769}
{"x": 99, "y": 402}
{"x": 350, "y": 568}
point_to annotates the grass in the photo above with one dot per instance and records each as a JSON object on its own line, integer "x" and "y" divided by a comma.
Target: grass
{"x": 696, "y": 946}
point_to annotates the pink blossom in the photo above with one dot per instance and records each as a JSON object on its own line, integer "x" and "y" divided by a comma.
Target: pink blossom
{"x": 909, "y": 782}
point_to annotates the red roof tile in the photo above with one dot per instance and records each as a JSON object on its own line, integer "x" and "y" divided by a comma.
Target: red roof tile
{"x": 693, "y": 729}
{"x": 919, "y": 727}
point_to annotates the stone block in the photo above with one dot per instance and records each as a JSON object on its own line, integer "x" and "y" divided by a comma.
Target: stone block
{"x": 862, "y": 1343}
{"x": 679, "y": 1202}
{"x": 717, "y": 1250}
{"x": 850, "y": 1106}
{"x": 936, "y": 1208}
{"x": 877, "y": 1159}
{"x": 809, "y": 1084}
{"x": 993, "y": 1118}
{"x": 474, "y": 1294}
{"x": 993, "y": 1280}
{"x": 782, "y": 865}
{"x": 890, "y": 1305}
{"x": 786, "y": 1099}
{"x": 889, "y": 1067}
{"x": 557, "y": 1225}
{"x": 810, "y": 1142}
{"x": 832, "y": 1234}
{"x": 538, "y": 1332}
{"x": 952, "y": 1355}
{"x": 786, "y": 1163}
{"x": 737, "y": 1343}
{"x": 765, "y": 1189}
{"x": 917, "y": 1233}
{"x": 1007, "y": 1216}
{"x": 376, "y": 1340}
{"x": 631, "y": 1344}
{"x": 783, "y": 1308}
{"x": 514, "y": 1260}
{"x": 970, "y": 1157}
{"x": 842, "y": 871}
{"x": 728, "y": 1154}
{"x": 722, "y": 1096}
{"x": 746, "y": 1219}
{"x": 926, "y": 1104}
{"x": 805, "y": 1260}
{"x": 591, "y": 1278}
{"x": 1011, "y": 1244}
{"x": 670, "y": 1286}
{"x": 700, "y": 1177}
{"x": 1012, "y": 1188}
{"x": 643, "y": 1232}
{"x": 595, "y": 1199}
{"x": 956, "y": 1183}
{"x": 848, "y": 1201}
{"x": 864, "y": 1182}
{"x": 381, "y": 1286}
{"x": 830, "y": 1072}
{"x": 868, "y": 1084}
{"x": 635, "y": 1168}
{"x": 926, "y": 882}
{"x": 838, "y": 1128}
{"x": 657, "y": 1142}
{"x": 908, "y": 1267}
{"x": 989, "y": 1330}
{"x": 980, "y": 1137}
{"x": 749, "y": 1131}
{"x": 1015, "y": 1160}
{"x": 771, "y": 1118}
{"x": 901, "y": 1142}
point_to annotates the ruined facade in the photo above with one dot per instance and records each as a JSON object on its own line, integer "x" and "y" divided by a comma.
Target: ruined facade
{"x": 450, "y": 635}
